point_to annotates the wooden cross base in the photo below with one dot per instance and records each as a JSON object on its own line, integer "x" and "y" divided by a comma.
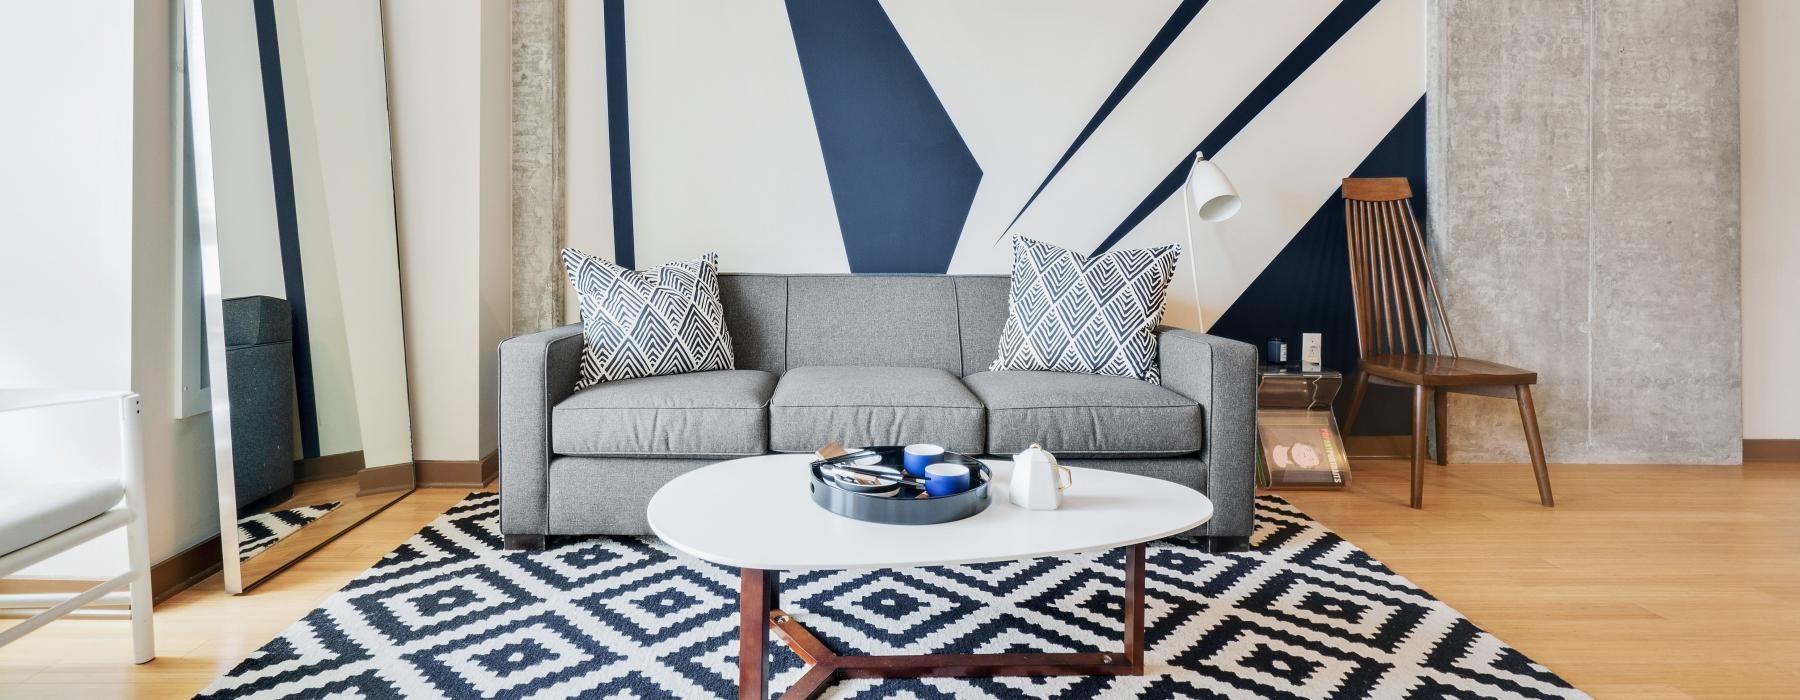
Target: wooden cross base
{"x": 760, "y": 612}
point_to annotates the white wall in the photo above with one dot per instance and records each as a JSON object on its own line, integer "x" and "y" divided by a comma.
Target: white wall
{"x": 1770, "y": 107}
{"x": 88, "y": 258}
{"x": 67, "y": 139}
{"x": 495, "y": 264}
{"x": 449, "y": 69}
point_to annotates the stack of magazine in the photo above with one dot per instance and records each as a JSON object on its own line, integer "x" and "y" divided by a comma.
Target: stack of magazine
{"x": 1300, "y": 449}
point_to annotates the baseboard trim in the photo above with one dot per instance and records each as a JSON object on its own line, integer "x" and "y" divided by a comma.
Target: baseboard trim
{"x": 328, "y": 467}
{"x": 1768, "y": 450}
{"x": 186, "y": 568}
{"x": 167, "y": 577}
{"x": 469, "y": 473}
{"x": 1379, "y": 446}
{"x": 386, "y": 478}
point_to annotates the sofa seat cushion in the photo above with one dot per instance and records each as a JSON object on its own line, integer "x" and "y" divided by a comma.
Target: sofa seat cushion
{"x": 722, "y": 413}
{"x": 1086, "y": 415}
{"x": 34, "y": 510}
{"x": 863, "y": 406}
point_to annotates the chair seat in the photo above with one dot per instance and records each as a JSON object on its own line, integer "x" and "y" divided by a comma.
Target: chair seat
{"x": 700, "y": 414}
{"x": 862, "y": 406}
{"x": 1086, "y": 415}
{"x": 31, "y": 512}
{"x": 1443, "y": 370}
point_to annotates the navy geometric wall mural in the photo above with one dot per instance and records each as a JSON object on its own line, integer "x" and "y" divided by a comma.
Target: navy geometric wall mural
{"x": 618, "y": 133}
{"x": 901, "y": 176}
{"x": 1306, "y": 288}
{"x": 1177, "y": 23}
{"x": 1330, "y": 29}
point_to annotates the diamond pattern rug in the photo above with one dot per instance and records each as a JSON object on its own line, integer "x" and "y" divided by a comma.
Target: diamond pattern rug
{"x": 1304, "y": 615}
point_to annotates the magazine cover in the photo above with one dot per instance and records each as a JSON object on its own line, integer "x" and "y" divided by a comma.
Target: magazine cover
{"x": 1301, "y": 449}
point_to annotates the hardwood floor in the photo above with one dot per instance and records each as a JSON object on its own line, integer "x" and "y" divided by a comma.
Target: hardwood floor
{"x": 1643, "y": 582}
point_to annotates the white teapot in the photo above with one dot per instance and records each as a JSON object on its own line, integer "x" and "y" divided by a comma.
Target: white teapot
{"x": 1037, "y": 480}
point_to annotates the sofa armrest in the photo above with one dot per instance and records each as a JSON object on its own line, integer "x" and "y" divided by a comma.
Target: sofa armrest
{"x": 1220, "y": 374}
{"x": 537, "y": 371}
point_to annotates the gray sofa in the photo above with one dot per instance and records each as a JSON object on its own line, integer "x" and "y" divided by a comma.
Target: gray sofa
{"x": 866, "y": 360}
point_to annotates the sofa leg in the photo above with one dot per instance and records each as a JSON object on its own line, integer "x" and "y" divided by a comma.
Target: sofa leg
{"x": 1224, "y": 545}
{"x": 533, "y": 543}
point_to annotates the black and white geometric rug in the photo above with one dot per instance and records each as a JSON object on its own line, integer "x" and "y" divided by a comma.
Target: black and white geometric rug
{"x": 1306, "y": 614}
{"x": 261, "y": 531}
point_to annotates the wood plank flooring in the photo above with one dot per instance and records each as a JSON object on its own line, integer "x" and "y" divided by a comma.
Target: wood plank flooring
{"x": 1644, "y": 581}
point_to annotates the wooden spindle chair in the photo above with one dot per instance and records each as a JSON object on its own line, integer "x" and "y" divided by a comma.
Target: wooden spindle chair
{"x": 1402, "y": 335}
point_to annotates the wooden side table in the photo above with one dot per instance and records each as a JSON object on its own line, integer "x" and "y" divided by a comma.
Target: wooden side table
{"x": 1297, "y": 431}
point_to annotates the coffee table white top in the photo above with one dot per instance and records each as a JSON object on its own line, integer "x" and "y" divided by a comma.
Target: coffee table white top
{"x": 757, "y": 512}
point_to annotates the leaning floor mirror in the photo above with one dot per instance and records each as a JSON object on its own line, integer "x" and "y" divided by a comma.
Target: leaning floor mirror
{"x": 292, "y": 210}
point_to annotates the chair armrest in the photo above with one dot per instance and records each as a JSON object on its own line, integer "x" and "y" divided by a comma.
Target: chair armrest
{"x": 537, "y": 371}
{"x": 1220, "y": 374}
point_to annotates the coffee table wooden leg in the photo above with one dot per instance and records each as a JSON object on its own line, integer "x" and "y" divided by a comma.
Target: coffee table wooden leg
{"x": 759, "y": 596}
{"x": 1134, "y": 607}
{"x": 756, "y": 589}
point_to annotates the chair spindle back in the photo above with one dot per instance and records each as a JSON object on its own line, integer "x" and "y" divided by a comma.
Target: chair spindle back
{"x": 1398, "y": 308}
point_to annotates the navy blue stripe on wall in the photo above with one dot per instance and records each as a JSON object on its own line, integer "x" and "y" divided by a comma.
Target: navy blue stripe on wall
{"x": 1306, "y": 288}
{"x": 1177, "y": 23}
{"x": 268, "y": 47}
{"x": 618, "y": 130}
{"x": 902, "y": 179}
{"x": 1322, "y": 37}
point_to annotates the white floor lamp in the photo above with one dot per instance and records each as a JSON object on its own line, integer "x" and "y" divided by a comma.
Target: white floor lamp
{"x": 1210, "y": 195}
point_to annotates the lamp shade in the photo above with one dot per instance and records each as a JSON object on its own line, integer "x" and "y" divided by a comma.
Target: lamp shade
{"x": 1213, "y": 197}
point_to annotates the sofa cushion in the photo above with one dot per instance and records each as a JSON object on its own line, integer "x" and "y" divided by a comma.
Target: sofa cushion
{"x": 1086, "y": 415}
{"x": 664, "y": 320}
{"x": 702, "y": 414}
{"x": 863, "y": 406}
{"x": 1068, "y": 312}
{"x": 31, "y": 511}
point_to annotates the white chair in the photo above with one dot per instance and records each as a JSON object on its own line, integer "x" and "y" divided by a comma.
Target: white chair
{"x": 40, "y": 518}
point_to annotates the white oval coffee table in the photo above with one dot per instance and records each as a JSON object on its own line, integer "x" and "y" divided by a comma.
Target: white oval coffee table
{"x": 757, "y": 514}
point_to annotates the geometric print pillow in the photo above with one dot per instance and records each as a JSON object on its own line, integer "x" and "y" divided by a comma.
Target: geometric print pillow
{"x": 664, "y": 320}
{"x": 1067, "y": 312}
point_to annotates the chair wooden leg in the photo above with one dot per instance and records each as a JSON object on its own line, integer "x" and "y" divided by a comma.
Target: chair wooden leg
{"x": 1528, "y": 416}
{"x": 1418, "y": 451}
{"x": 1441, "y": 405}
{"x": 1356, "y": 399}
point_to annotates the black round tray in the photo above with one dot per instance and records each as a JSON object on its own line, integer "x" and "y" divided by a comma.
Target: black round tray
{"x": 906, "y": 507}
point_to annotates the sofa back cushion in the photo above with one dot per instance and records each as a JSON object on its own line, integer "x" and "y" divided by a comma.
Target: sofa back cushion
{"x": 981, "y": 308}
{"x": 756, "y": 312}
{"x": 873, "y": 321}
{"x": 947, "y": 322}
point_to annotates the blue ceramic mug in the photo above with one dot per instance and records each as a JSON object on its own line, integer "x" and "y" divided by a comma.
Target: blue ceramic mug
{"x": 945, "y": 479}
{"x": 918, "y": 457}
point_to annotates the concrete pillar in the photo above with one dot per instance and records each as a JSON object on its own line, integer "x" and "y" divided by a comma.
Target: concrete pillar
{"x": 1585, "y": 163}
{"x": 537, "y": 185}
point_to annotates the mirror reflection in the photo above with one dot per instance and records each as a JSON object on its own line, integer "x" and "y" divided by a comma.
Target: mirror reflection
{"x": 303, "y": 279}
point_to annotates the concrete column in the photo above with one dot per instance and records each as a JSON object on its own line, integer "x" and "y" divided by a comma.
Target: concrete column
{"x": 1585, "y": 218}
{"x": 537, "y": 164}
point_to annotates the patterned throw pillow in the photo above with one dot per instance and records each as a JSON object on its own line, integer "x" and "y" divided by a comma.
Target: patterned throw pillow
{"x": 664, "y": 320}
{"x": 1071, "y": 313}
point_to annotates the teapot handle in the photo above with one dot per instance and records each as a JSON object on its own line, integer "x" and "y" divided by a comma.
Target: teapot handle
{"x": 1063, "y": 471}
